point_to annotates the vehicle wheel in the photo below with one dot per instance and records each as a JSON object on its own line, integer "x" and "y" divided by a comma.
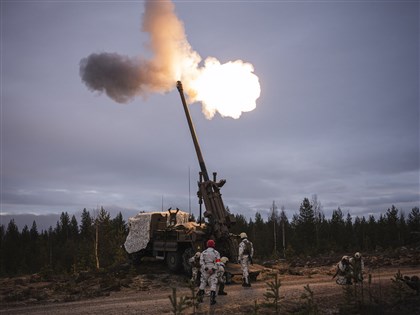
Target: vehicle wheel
{"x": 231, "y": 249}
{"x": 188, "y": 253}
{"x": 173, "y": 261}
{"x": 253, "y": 276}
{"x": 228, "y": 277}
{"x": 136, "y": 257}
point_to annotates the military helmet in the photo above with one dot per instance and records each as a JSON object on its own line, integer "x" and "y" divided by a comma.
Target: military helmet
{"x": 224, "y": 260}
{"x": 243, "y": 235}
{"x": 211, "y": 243}
{"x": 357, "y": 255}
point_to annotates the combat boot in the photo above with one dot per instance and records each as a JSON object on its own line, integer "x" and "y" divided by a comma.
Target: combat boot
{"x": 221, "y": 289}
{"x": 212, "y": 297}
{"x": 200, "y": 295}
{"x": 247, "y": 282}
{"x": 243, "y": 282}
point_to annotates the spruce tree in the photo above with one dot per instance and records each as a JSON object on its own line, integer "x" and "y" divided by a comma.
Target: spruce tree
{"x": 305, "y": 227}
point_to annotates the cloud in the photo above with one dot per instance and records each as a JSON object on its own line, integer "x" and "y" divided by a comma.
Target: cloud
{"x": 123, "y": 78}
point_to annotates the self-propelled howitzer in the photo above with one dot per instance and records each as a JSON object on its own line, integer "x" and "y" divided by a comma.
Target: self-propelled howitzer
{"x": 173, "y": 236}
{"x": 219, "y": 219}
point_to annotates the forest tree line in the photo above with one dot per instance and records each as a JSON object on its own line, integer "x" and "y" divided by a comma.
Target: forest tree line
{"x": 309, "y": 232}
{"x": 69, "y": 247}
{"x": 97, "y": 241}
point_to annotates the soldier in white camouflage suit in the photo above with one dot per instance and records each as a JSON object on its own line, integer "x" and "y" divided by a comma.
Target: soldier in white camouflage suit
{"x": 246, "y": 252}
{"x": 358, "y": 266}
{"x": 221, "y": 276}
{"x": 209, "y": 259}
{"x": 195, "y": 266}
{"x": 344, "y": 272}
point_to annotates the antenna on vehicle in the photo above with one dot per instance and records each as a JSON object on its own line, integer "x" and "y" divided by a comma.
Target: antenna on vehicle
{"x": 189, "y": 191}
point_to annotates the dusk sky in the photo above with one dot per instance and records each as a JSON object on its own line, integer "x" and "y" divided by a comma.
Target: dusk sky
{"x": 337, "y": 117}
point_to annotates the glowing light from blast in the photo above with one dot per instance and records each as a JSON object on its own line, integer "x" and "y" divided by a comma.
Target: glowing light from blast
{"x": 230, "y": 88}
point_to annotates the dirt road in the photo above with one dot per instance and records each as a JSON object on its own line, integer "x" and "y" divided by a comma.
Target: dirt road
{"x": 155, "y": 300}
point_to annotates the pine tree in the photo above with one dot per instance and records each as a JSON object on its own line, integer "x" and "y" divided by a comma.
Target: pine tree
{"x": 413, "y": 223}
{"x": 103, "y": 253}
{"x": 2, "y": 258}
{"x": 63, "y": 246}
{"x": 317, "y": 208}
{"x": 274, "y": 230}
{"x": 391, "y": 227}
{"x": 403, "y": 234}
{"x": 12, "y": 251}
{"x": 117, "y": 238}
{"x": 86, "y": 225}
{"x": 371, "y": 233}
{"x": 73, "y": 228}
{"x": 72, "y": 246}
{"x": 285, "y": 230}
{"x": 305, "y": 226}
{"x": 64, "y": 227}
{"x": 25, "y": 238}
{"x": 337, "y": 226}
{"x": 260, "y": 237}
{"x": 33, "y": 250}
{"x": 241, "y": 225}
{"x": 349, "y": 236}
{"x": 323, "y": 231}
{"x": 357, "y": 235}
{"x": 86, "y": 242}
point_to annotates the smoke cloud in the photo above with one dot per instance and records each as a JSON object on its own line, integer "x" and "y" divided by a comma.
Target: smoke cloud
{"x": 122, "y": 77}
{"x": 229, "y": 89}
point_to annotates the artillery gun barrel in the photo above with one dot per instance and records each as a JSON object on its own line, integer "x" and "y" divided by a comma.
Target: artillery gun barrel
{"x": 193, "y": 134}
{"x": 219, "y": 218}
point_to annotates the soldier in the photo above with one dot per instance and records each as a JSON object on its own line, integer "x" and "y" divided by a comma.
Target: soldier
{"x": 358, "y": 267}
{"x": 195, "y": 267}
{"x": 246, "y": 252}
{"x": 344, "y": 272}
{"x": 209, "y": 259}
{"x": 221, "y": 276}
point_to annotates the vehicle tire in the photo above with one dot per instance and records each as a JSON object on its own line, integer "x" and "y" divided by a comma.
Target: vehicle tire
{"x": 233, "y": 249}
{"x": 188, "y": 253}
{"x": 253, "y": 276}
{"x": 228, "y": 277}
{"x": 174, "y": 261}
{"x": 136, "y": 257}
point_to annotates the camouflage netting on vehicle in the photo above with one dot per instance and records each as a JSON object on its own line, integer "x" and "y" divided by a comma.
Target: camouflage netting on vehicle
{"x": 139, "y": 229}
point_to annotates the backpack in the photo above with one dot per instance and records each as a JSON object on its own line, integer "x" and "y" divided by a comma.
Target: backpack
{"x": 248, "y": 247}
